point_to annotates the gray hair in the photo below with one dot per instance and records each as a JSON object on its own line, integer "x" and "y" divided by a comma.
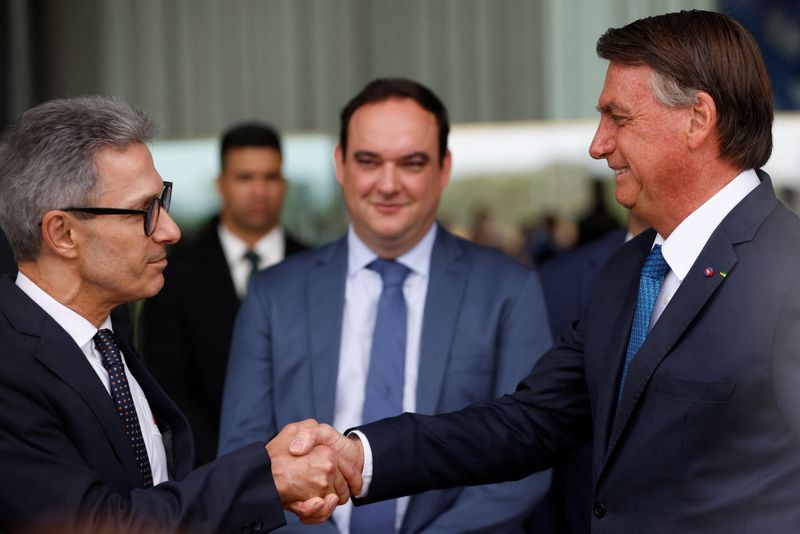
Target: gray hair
{"x": 669, "y": 93}
{"x": 47, "y": 161}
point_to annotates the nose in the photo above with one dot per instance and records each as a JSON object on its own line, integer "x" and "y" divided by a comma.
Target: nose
{"x": 603, "y": 142}
{"x": 167, "y": 231}
{"x": 388, "y": 180}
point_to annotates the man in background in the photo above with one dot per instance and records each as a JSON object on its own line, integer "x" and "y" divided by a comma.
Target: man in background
{"x": 186, "y": 328}
{"x": 397, "y": 315}
{"x": 89, "y": 442}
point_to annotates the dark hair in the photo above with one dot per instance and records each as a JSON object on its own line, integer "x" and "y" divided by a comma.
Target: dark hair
{"x": 47, "y": 160}
{"x": 248, "y": 134}
{"x": 694, "y": 51}
{"x": 382, "y": 89}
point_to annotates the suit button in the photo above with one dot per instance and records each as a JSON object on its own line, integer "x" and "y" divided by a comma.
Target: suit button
{"x": 257, "y": 525}
{"x": 599, "y": 510}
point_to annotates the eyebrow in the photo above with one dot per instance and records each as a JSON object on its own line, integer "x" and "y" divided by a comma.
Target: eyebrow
{"x": 365, "y": 154}
{"x": 415, "y": 155}
{"x": 141, "y": 199}
{"x": 611, "y": 107}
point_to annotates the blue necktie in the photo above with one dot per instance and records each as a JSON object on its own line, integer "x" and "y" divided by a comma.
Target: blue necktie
{"x": 384, "y": 392}
{"x": 653, "y": 271}
{"x": 123, "y": 402}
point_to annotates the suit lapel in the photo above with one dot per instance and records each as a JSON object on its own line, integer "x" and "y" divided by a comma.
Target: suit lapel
{"x": 175, "y": 430}
{"x": 446, "y": 284}
{"x": 691, "y": 297}
{"x": 325, "y": 307}
{"x": 694, "y": 292}
{"x": 618, "y": 342}
{"x": 58, "y": 352}
{"x": 217, "y": 269}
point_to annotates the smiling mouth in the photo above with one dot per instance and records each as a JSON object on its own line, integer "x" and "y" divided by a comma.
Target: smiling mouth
{"x": 387, "y": 207}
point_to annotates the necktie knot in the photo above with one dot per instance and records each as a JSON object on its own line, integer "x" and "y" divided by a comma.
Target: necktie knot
{"x": 655, "y": 266}
{"x": 107, "y": 347}
{"x": 392, "y": 273}
{"x": 254, "y": 258}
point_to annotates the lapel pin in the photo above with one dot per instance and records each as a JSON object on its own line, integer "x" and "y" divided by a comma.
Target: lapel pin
{"x": 709, "y": 272}
{"x": 723, "y": 274}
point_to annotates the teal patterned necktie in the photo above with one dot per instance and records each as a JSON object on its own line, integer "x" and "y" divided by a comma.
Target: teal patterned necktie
{"x": 653, "y": 271}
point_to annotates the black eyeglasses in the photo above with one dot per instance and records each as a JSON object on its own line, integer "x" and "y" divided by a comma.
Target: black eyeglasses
{"x": 150, "y": 213}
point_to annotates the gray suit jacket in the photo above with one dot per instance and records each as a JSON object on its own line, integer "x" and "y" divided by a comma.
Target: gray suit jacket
{"x": 484, "y": 327}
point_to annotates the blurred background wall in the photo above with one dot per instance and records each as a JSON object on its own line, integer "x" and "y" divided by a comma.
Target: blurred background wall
{"x": 520, "y": 78}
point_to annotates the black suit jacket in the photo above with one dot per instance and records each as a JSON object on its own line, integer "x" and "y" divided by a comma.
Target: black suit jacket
{"x": 66, "y": 462}
{"x": 186, "y": 332}
{"x": 706, "y": 438}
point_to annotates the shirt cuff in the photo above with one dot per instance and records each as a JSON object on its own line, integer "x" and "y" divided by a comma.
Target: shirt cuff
{"x": 366, "y": 472}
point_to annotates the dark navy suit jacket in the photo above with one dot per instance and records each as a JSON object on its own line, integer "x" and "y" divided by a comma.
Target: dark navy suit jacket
{"x": 66, "y": 462}
{"x": 706, "y": 437}
{"x": 484, "y": 327}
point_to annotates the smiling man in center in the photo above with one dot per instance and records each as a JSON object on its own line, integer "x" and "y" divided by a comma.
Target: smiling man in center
{"x": 397, "y": 316}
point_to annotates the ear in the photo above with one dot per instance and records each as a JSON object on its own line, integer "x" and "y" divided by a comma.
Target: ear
{"x": 703, "y": 120}
{"x": 219, "y": 183}
{"x": 338, "y": 164}
{"x": 444, "y": 171}
{"x": 58, "y": 234}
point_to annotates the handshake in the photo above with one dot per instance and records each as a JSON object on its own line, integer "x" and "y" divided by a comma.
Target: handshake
{"x": 315, "y": 468}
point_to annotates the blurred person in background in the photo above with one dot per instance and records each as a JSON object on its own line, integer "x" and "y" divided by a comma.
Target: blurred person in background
{"x": 186, "y": 329}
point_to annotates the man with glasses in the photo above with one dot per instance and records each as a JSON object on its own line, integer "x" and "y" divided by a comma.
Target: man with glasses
{"x": 88, "y": 440}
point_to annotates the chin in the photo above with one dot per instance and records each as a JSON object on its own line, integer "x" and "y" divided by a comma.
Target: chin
{"x": 152, "y": 289}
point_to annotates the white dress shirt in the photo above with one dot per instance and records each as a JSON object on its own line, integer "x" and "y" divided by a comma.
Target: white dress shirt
{"x": 685, "y": 243}
{"x": 271, "y": 249}
{"x": 82, "y": 331}
{"x": 362, "y": 290}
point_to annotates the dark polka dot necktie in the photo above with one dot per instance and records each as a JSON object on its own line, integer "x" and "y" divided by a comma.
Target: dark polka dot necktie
{"x": 121, "y": 394}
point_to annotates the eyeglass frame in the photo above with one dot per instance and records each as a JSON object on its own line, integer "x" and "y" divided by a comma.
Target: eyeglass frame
{"x": 163, "y": 200}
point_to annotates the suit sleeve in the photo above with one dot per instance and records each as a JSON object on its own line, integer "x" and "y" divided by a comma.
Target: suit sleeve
{"x": 501, "y": 440}
{"x": 49, "y": 485}
{"x": 524, "y": 337}
{"x": 246, "y": 417}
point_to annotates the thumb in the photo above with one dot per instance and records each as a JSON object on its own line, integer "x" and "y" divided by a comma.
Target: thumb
{"x": 310, "y": 436}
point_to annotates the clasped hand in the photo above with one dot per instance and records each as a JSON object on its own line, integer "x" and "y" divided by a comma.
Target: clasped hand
{"x": 315, "y": 468}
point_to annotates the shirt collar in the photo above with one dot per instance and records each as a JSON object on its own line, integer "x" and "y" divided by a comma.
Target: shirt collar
{"x": 418, "y": 258}
{"x": 77, "y": 326}
{"x": 685, "y": 243}
{"x": 235, "y": 248}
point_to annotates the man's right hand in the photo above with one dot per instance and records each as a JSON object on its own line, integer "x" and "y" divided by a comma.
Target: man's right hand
{"x": 349, "y": 450}
{"x": 310, "y": 484}
{"x": 309, "y": 436}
